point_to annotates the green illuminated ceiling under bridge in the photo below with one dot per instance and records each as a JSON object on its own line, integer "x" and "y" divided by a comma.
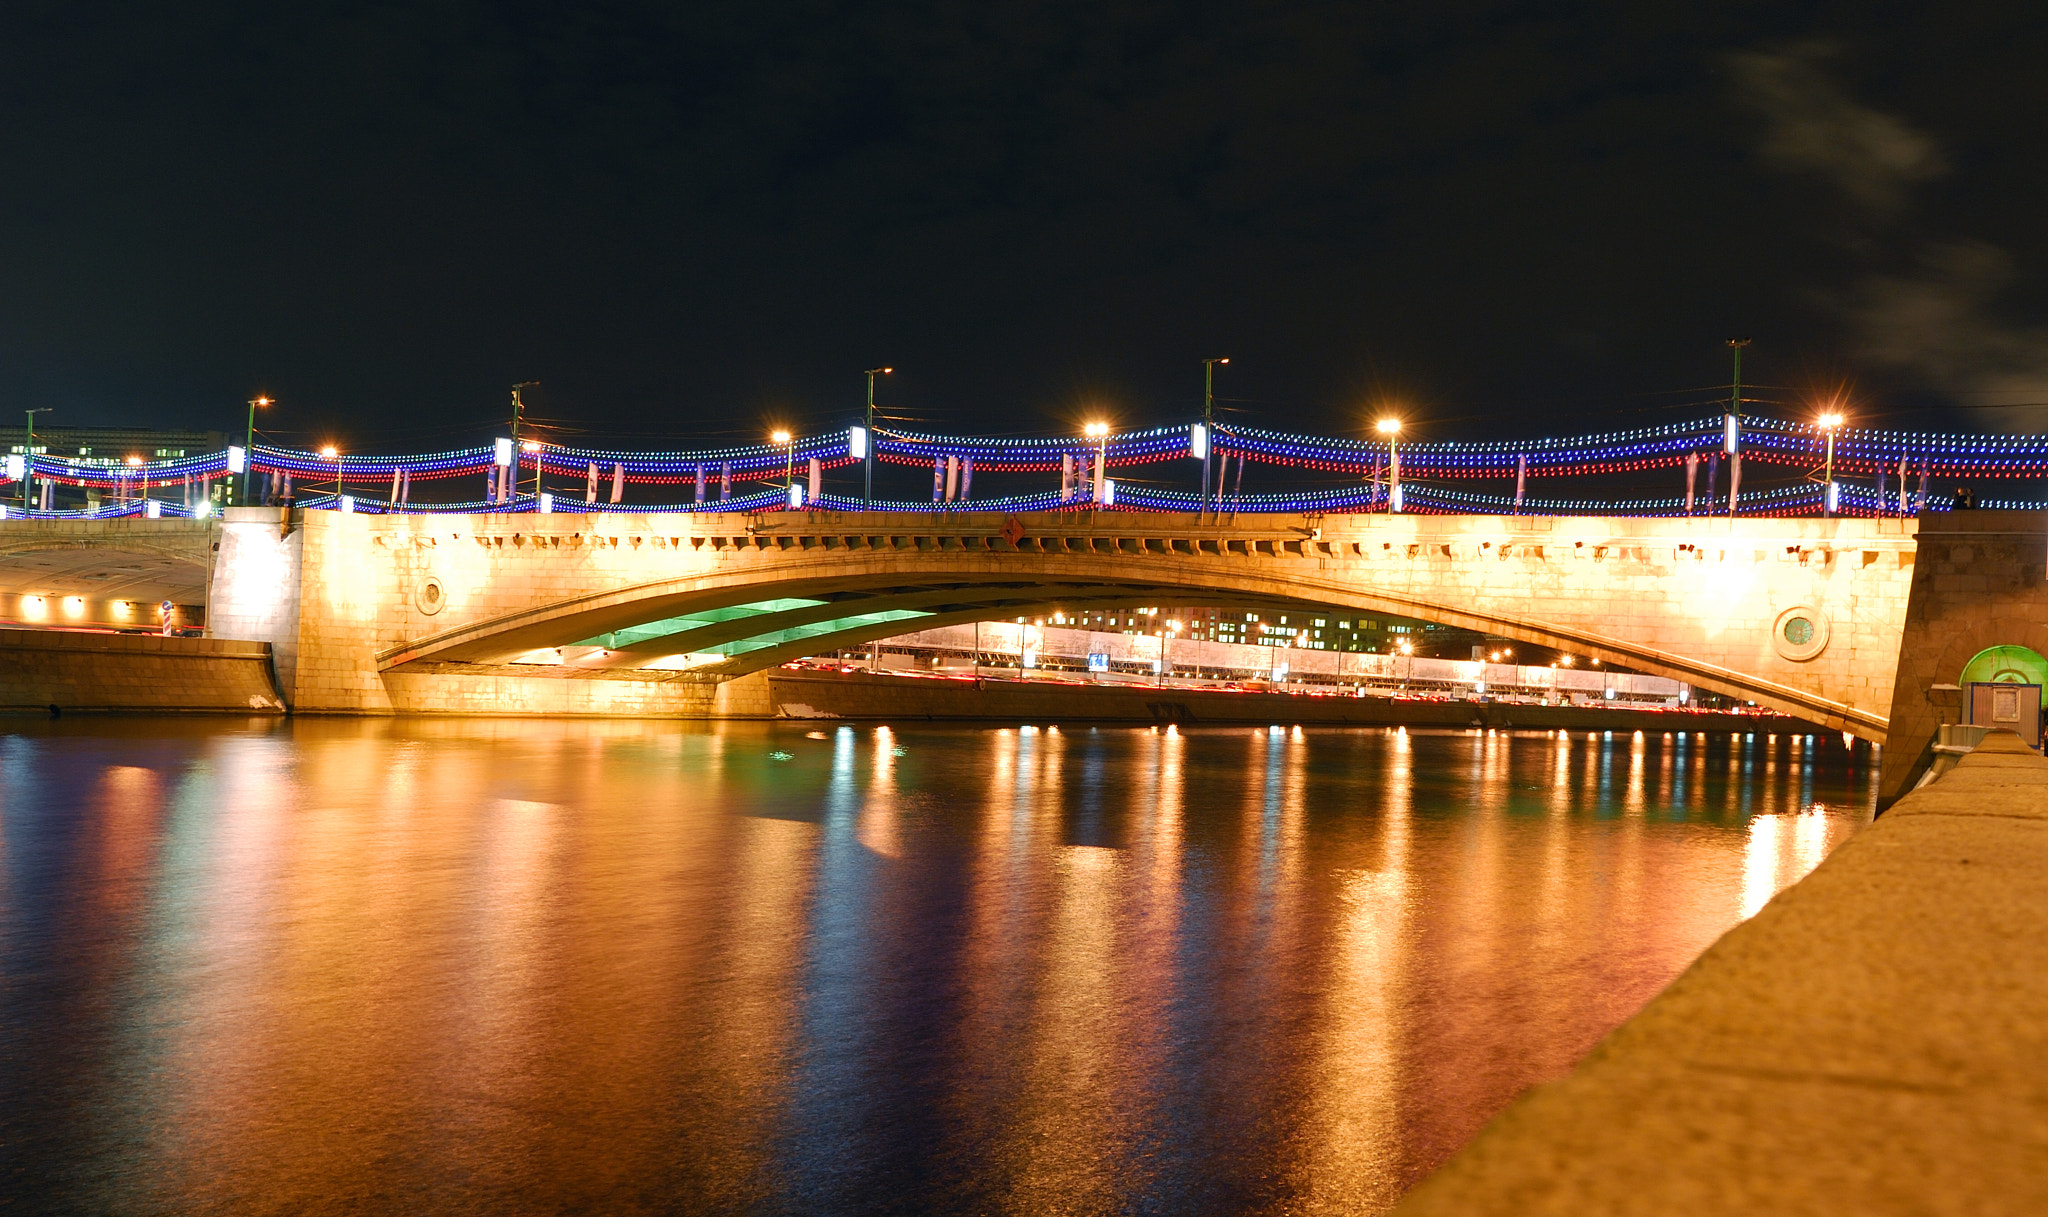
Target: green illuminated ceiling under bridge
{"x": 817, "y": 629}
{"x": 693, "y": 621}
{"x": 2015, "y": 665}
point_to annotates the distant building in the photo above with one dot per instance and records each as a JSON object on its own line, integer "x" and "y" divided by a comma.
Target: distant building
{"x": 1315, "y": 630}
{"x": 110, "y": 447}
{"x": 115, "y": 445}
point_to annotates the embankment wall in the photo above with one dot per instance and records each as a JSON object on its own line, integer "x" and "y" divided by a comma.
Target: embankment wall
{"x": 865, "y": 696}
{"x": 92, "y": 671}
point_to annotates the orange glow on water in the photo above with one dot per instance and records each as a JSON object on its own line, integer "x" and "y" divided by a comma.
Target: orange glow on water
{"x": 778, "y": 961}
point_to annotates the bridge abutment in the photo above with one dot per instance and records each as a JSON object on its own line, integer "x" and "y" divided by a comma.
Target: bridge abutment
{"x": 1980, "y": 580}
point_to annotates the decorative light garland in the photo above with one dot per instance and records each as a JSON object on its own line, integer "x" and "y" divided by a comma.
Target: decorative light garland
{"x": 1865, "y": 453}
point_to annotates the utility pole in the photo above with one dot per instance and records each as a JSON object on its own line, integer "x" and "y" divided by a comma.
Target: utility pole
{"x": 867, "y": 494}
{"x": 1209, "y": 428}
{"x": 1735, "y": 394}
{"x": 1734, "y": 427}
{"x": 28, "y": 455}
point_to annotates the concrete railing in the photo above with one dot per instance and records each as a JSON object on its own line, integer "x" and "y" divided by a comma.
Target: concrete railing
{"x": 1872, "y": 1041}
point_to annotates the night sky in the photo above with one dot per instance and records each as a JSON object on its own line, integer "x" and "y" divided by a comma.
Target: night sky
{"x": 697, "y": 220}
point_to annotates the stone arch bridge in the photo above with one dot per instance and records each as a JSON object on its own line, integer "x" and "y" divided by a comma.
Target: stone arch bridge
{"x": 381, "y": 613}
{"x": 1858, "y": 624}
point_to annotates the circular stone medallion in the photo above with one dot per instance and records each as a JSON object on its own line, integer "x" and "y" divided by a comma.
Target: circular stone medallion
{"x": 429, "y": 597}
{"x": 1800, "y": 633}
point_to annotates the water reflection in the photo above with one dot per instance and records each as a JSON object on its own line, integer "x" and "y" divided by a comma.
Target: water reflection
{"x": 529, "y": 967}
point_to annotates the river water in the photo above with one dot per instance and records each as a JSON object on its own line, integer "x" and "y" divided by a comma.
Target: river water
{"x": 506, "y": 966}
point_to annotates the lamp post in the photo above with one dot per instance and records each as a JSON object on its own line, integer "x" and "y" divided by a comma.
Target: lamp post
{"x": 1099, "y": 432}
{"x": 532, "y": 446}
{"x": 788, "y": 443}
{"x": 867, "y": 494}
{"x": 1391, "y": 428}
{"x": 1209, "y": 426}
{"x": 1829, "y": 422}
{"x": 28, "y": 455}
{"x": 333, "y": 454}
{"x": 249, "y": 446}
{"x": 1166, "y": 655}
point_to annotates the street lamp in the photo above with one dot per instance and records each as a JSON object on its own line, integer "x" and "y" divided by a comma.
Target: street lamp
{"x": 1099, "y": 432}
{"x": 867, "y": 494}
{"x": 532, "y": 447}
{"x": 1829, "y": 423}
{"x": 249, "y": 446}
{"x": 788, "y": 443}
{"x": 1391, "y": 428}
{"x": 329, "y": 452}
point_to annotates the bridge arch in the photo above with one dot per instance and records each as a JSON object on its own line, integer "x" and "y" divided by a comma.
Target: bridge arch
{"x": 1708, "y": 642}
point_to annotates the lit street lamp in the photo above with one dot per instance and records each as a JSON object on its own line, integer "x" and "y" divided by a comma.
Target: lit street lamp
{"x": 1391, "y": 428}
{"x": 1829, "y": 423}
{"x": 249, "y": 447}
{"x": 867, "y": 494}
{"x": 788, "y": 443}
{"x": 532, "y": 447}
{"x": 1099, "y": 432}
{"x": 331, "y": 453}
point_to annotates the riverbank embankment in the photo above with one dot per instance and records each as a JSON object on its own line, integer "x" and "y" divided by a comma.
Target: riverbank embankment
{"x": 861, "y": 695}
{"x": 81, "y": 671}
{"x": 1870, "y": 1042}
{"x": 97, "y": 670}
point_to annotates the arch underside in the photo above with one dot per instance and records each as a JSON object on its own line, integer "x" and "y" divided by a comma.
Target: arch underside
{"x": 785, "y": 609}
{"x": 133, "y": 570}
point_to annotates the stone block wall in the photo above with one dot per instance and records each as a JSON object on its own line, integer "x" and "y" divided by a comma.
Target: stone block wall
{"x": 488, "y": 689}
{"x": 1980, "y": 580}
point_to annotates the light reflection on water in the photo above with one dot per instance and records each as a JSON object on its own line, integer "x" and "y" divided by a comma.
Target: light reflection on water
{"x": 518, "y": 966}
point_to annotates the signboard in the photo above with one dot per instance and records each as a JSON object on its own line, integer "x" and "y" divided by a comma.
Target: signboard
{"x": 2008, "y": 704}
{"x": 1098, "y": 662}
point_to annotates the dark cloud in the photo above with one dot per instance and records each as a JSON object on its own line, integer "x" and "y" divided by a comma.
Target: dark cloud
{"x": 1941, "y": 320}
{"x": 1873, "y": 157}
